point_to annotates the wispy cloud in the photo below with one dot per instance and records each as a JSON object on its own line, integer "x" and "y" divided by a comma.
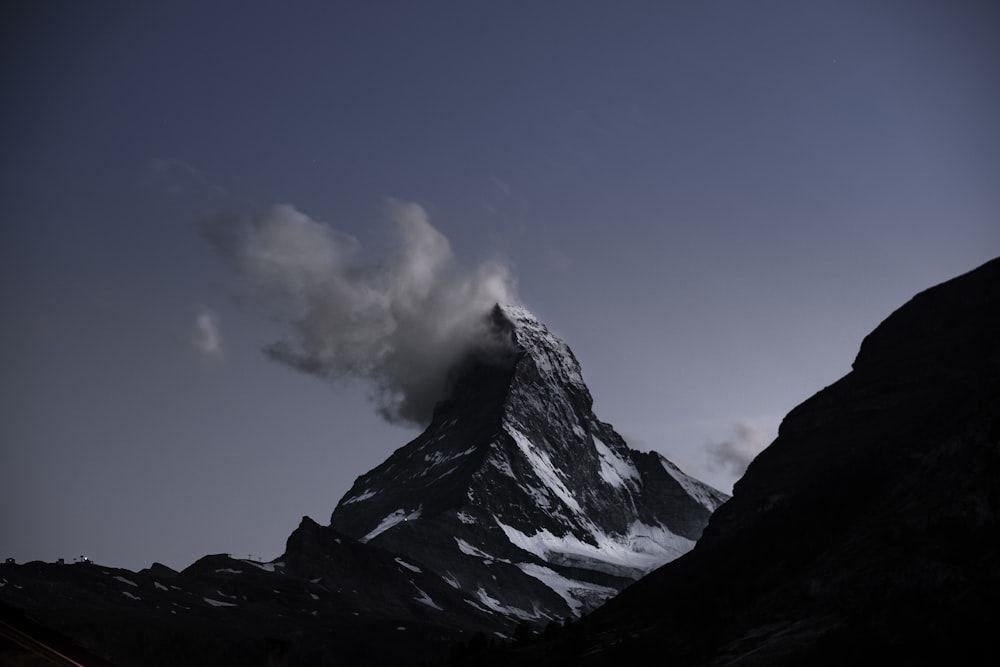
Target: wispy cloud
{"x": 505, "y": 204}
{"x": 501, "y": 187}
{"x": 179, "y": 178}
{"x": 559, "y": 262}
{"x": 735, "y": 454}
{"x": 206, "y": 334}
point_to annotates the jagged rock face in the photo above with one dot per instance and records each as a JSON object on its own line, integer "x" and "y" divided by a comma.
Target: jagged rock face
{"x": 868, "y": 528}
{"x": 517, "y": 493}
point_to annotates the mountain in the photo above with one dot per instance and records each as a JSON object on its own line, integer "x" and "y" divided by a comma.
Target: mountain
{"x": 867, "y": 530}
{"x": 515, "y": 505}
{"x": 517, "y": 493}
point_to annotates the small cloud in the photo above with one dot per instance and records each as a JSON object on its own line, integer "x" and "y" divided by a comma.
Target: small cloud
{"x": 504, "y": 202}
{"x": 173, "y": 165}
{"x": 735, "y": 454}
{"x": 178, "y": 178}
{"x": 501, "y": 187}
{"x": 559, "y": 262}
{"x": 206, "y": 336}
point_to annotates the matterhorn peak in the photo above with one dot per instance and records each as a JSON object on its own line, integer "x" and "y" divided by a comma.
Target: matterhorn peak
{"x": 518, "y": 495}
{"x": 552, "y": 358}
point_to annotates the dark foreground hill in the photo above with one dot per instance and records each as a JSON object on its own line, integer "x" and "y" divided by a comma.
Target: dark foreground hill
{"x": 868, "y": 531}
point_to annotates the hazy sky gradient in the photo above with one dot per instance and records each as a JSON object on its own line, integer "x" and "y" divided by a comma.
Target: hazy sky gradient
{"x": 711, "y": 202}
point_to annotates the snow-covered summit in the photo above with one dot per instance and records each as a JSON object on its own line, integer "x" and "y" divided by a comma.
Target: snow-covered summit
{"x": 551, "y": 356}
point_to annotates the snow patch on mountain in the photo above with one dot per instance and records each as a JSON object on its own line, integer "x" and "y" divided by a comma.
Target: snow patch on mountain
{"x": 267, "y": 567}
{"x": 363, "y": 496}
{"x": 218, "y": 603}
{"x": 702, "y": 493}
{"x": 470, "y": 550}
{"x": 641, "y": 550}
{"x": 615, "y": 470}
{"x": 425, "y": 599}
{"x": 408, "y": 566}
{"x": 391, "y": 520}
{"x": 437, "y": 458}
{"x": 543, "y": 469}
{"x": 577, "y": 594}
{"x": 507, "y": 610}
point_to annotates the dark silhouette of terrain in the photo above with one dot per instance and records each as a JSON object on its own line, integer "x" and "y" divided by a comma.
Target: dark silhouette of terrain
{"x": 867, "y": 530}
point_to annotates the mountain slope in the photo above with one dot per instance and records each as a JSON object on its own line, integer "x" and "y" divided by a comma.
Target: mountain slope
{"x": 867, "y": 529}
{"x": 518, "y": 493}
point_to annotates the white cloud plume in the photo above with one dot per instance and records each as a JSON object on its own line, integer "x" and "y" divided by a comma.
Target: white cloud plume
{"x": 206, "y": 336}
{"x": 404, "y": 322}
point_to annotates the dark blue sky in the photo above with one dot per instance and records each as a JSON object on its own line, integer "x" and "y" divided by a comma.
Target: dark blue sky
{"x": 711, "y": 202}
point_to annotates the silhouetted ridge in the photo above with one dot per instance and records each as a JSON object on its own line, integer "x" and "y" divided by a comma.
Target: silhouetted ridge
{"x": 867, "y": 529}
{"x": 947, "y": 327}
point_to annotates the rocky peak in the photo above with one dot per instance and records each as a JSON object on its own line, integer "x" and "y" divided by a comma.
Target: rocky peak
{"x": 546, "y": 359}
{"x": 517, "y": 490}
